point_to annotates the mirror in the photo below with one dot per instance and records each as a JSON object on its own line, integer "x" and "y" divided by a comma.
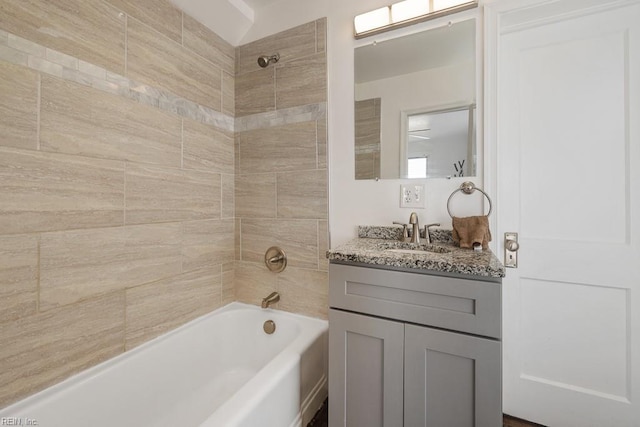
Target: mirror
{"x": 415, "y": 105}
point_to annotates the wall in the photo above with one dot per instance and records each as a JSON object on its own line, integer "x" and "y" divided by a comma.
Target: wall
{"x": 281, "y": 163}
{"x": 117, "y": 211}
{"x": 354, "y": 202}
{"x": 116, "y": 181}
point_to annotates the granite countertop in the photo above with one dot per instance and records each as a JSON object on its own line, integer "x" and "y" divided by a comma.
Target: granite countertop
{"x": 381, "y": 246}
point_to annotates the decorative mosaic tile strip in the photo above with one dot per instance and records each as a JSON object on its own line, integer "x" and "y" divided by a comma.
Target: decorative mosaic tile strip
{"x": 17, "y": 50}
{"x": 284, "y": 116}
{"x": 367, "y": 148}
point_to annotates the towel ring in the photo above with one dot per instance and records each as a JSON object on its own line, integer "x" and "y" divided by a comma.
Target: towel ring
{"x": 468, "y": 187}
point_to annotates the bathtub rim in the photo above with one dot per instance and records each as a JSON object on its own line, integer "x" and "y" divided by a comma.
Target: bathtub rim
{"x": 14, "y": 409}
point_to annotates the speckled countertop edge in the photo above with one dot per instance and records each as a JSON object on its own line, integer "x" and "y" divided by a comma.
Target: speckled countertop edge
{"x": 366, "y": 250}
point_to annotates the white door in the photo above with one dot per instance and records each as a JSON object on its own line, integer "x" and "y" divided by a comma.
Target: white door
{"x": 564, "y": 91}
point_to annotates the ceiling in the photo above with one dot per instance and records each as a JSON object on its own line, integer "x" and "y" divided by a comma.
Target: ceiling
{"x": 258, "y": 4}
{"x": 230, "y": 19}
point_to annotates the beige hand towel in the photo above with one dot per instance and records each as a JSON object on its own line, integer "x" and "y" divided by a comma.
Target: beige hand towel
{"x": 471, "y": 230}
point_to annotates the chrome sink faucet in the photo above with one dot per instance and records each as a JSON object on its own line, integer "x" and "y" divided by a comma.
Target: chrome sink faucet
{"x": 415, "y": 235}
{"x": 413, "y": 220}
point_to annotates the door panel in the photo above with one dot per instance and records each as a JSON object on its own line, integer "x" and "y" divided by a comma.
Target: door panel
{"x": 568, "y": 180}
{"x": 584, "y": 129}
{"x": 598, "y": 342}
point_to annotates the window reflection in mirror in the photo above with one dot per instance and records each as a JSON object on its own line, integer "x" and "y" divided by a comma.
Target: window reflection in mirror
{"x": 424, "y": 72}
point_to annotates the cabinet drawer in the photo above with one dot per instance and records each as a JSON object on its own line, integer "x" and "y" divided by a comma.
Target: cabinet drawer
{"x": 465, "y": 305}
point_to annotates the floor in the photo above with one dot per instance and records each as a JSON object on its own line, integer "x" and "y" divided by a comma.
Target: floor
{"x": 321, "y": 419}
{"x": 509, "y": 421}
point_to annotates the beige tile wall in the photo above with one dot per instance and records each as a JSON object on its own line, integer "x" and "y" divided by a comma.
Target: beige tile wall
{"x": 367, "y": 138}
{"x": 43, "y": 192}
{"x": 18, "y": 107}
{"x": 158, "y": 307}
{"x": 45, "y": 348}
{"x": 299, "y": 78}
{"x": 93, "y": 30}
{"x": 160, "y": 15}
{"x": 156, "y": 61}
{"x": 116, "y": 216}
{"x": 19, "y": 276}
{"x": 120, "y": 216}
{"x": 75, "y": 119}
{"x": 281, "y": 176}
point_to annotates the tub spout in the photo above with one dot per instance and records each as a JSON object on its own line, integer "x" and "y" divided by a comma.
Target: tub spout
{"x": 272, "y": 298}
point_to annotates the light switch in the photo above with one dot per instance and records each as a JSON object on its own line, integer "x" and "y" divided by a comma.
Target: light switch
{"x": 412, "y": 196}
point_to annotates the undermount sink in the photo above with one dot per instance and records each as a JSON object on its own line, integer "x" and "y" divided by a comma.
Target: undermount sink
{"x": 412, "y": 248}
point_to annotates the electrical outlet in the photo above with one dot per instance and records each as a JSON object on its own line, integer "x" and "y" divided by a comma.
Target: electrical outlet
{"x": 412, "y": 196}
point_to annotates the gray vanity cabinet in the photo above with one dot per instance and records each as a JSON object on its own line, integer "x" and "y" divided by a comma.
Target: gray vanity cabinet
{"x": 388, "y": 365}
{"x": 367, "y": 358}
{"x": 450, "y": 379}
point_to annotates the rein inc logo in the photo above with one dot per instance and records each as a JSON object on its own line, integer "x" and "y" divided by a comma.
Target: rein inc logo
{"x": 18, "y": 421}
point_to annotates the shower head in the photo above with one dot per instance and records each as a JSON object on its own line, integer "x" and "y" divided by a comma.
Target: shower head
{"x": 264, "y": 60}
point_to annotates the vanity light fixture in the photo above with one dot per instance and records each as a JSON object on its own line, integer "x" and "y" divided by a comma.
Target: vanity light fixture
{"x": 405, "y": 13}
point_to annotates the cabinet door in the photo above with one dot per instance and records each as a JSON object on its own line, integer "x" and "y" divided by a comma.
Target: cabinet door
{"x": 365, "y": 371}
{"x": 451, "y": 379}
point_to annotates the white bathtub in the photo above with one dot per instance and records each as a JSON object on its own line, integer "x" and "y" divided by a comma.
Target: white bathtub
{"x": 219, "y": 370}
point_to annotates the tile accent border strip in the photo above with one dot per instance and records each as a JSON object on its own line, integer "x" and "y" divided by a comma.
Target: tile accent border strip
{"x": 19, "y": 51}
{"x": 303, "y": 113}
